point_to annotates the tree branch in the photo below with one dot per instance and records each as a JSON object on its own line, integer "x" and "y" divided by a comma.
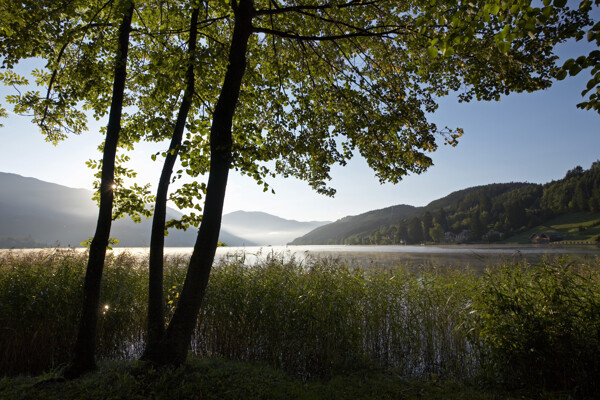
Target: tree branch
{"x": 315, "y": 38}
{"x": 283, "y": 10}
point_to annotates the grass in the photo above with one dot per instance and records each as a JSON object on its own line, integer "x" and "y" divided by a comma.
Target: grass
{"x": 222, "y": 380}
{"x": 580, "y": 226}
{"x": 317, "y": 322}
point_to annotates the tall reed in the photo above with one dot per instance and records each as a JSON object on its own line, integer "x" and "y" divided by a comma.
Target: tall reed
{"x": 40, "y": 301}
{"x": 324, "y": 316}
{"x": 522, "y": 325}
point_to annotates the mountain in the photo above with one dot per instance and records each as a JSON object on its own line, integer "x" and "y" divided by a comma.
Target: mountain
{"x": 487, "y": 213}
{"x": 362, "y": 224}
{"x": 34, "y": 212}
{"x": 263, "y": 228}
{"x": 391, "y": 225}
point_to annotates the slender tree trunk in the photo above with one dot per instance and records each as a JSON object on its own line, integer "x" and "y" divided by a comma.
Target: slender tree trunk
{"x": 176, "y": 341}
{"x": 156, "y": 319}
{"x": 83, "y": 352}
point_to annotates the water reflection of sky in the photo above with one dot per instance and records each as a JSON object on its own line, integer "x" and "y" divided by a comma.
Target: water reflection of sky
{"x": 475, "y": 256}
{"x": 472, "y": 256}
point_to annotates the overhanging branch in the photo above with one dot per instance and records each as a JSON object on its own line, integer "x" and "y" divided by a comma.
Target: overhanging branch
{"x": 283, "y": 10}
{"x": 318, "y": 38}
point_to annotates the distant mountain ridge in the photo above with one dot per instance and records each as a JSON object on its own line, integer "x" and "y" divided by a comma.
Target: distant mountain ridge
{"x": 345, "y": 230}
{"x": 356, "y": 225}
{"x": 34, "y": 212}
{"x": 484, "y": 213}
{"x": 261, "y": 227}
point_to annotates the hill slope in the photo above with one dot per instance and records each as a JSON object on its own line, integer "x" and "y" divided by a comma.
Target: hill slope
{"x": 263, "y": 228}
{"x": 47, "y": 213}
{"x": 361, "y": 224}
{"x": 478, "y": 214}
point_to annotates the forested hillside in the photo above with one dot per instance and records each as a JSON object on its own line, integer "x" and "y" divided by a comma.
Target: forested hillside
{"x": 479, "y": 214}
{"x": 356, "y": 226}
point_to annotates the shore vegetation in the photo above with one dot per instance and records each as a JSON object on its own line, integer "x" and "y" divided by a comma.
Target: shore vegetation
{"x": 312, "y": 326}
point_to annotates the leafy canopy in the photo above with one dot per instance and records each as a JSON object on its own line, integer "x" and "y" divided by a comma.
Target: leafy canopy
{"x": 325, "y": 80}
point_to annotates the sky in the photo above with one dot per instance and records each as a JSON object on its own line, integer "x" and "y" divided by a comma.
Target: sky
{"x": 527, "y": 137}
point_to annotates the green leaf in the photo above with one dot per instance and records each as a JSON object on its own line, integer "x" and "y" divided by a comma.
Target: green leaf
{"x": 504, "y": 47}
{"x": 432, "y": 52}
{"x": 562, "y": 74}
{"x": 448, "y": 51}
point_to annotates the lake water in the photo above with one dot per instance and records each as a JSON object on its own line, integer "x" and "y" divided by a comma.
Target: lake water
{"x": 476, "y": 256}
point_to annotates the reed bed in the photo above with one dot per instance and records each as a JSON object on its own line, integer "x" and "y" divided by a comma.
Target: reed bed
{"x": 323, "y": 316}
{"x": 516, "y": 324}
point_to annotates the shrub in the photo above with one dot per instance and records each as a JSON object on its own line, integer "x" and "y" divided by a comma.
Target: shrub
{"x": 541, "y": 326}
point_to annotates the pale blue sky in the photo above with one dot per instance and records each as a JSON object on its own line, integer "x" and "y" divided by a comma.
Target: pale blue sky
{"x": 533, "y": 137}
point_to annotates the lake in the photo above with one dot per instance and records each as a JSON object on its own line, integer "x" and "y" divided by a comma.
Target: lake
{"x": 475, "y": 256}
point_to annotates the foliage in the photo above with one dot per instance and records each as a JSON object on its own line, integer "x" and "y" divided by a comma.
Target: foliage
{"x": 579, "y": 190}
{"x": 574, "y": 66}
{"x": 320, "y": 318}
{"x": 362, "y": 63}
{"x": 580, "y": 226}
{"x": 541, "y": 326}
{"x": 40, "y": 297}
{"x": 218, "y": 379}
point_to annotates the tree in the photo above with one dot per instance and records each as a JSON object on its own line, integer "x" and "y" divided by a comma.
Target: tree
{"x": 436, "y": 233}
{"x": 427, "y": 225}
{"x": 476, "y": 227}
{"x": 308, "y": 84}
{"x": 415, "y": 230}
{"x": 441, "y": 219}
{"x": 485, "y": 203}
{"x": 402, "y": 234}
{"x": 155, "y": 291}
{"x": 592, "y": 60}
{"x": 86, "y": 46}
{"x": 574, "y": 173}
{"x": 515, "y": 214}
{"x": 55, "y": 115}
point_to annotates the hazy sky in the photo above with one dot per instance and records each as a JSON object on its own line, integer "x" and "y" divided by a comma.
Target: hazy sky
{"x": 532, "y": 137}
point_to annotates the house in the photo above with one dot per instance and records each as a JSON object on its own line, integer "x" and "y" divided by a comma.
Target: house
{"x": 545, "y": 237}
{"x": 449, "y": 237}
{"x": 463, "y": 236}
{"x": 457, "y": 237}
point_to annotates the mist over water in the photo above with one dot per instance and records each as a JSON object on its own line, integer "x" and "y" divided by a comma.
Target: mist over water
{"x": 474, "y": 256}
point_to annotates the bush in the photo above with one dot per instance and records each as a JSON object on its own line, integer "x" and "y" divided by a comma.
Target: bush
{"x": 541, "y": 326}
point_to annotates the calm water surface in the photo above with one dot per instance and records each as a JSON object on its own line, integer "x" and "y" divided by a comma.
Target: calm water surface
{"x": 476, "y": 256}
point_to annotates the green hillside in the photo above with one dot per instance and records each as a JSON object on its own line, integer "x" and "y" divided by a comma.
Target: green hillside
{"x": 363, "y": 224}
{"x": 499, "y": 212}
{"x": 581, "y": 226}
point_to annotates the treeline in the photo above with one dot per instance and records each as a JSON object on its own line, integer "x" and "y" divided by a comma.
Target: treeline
{"x": 489, "y": 213}
{"x": 20, "y": 243}
{"x": 579, "y": 190}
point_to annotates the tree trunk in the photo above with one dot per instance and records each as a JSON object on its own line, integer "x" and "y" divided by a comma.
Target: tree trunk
{"x": 156, "y": 319}
{"x": 176, "y": 342}
{"x": 83, "y": 352}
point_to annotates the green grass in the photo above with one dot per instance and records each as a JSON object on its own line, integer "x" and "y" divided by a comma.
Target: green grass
{"x": 218, "y": 379}
{"x": 573, "y": 226}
